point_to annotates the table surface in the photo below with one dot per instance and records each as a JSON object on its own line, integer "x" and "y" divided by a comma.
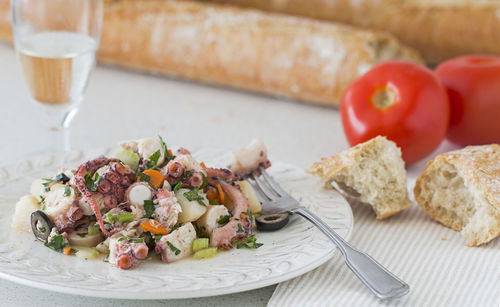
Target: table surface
{"x": 123, "y": 105}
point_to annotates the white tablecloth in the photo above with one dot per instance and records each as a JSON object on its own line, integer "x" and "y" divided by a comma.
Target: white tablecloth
{"x": 431, "y": 258}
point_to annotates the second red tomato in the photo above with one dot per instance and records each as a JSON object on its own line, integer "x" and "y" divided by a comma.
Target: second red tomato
{"x": 403, "y": 101}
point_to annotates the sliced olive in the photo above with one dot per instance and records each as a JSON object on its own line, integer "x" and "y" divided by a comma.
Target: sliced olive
{"x": 271, "y": 222}
{"x": 41, "y": 226}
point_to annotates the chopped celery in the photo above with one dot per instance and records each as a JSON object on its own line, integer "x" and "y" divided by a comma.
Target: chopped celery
{"x": 130, "y": 158}
{"x": 93, "y": 230}
{"x": 205, "y": 253}
{"x": 198, "y": 244}
{"x": 86, "y": 252}
{"x": 125, "y": 218}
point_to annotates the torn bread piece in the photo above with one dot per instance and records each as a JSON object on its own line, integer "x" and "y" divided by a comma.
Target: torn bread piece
{"x": 373, "y": 172}
{"x": 461, "y": 190}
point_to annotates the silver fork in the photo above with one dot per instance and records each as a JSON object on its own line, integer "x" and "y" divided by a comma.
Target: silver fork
{"x": 378, "y": 279}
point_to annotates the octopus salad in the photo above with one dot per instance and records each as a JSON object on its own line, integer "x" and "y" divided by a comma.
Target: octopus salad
{"x": 146, "y": 200}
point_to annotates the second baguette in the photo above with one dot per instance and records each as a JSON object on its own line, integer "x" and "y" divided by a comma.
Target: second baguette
{"x": 280, "y": 55}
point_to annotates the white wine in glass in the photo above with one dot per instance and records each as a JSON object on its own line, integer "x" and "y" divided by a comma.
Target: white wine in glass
{"x": 56, "y": 42}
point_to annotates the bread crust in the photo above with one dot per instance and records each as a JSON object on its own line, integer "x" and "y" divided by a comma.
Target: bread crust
{"x": 438, "y": 29}
{"x": 267, "y": 53}
{"x": 479, "y": 167}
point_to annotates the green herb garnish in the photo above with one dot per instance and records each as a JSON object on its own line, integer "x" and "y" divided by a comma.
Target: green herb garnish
{"x": 153, "y": 159}
{"x": 67, "y": 191}
{"x": 240, "y": 228}
{"x": 177, "y": 186}
{"x": 224, "y": 220}
{"x": 144, "y": 177}
{"x": 213, "y": 202}
{"x": 174, "y": 249}
{"x": 42, "y": 229}
{"x": 158, "y": 237}
{"x": 57, "y": 243}
{"x": 149, "y": 207}
{"x": 92, "y": 183}
{"x": 59, "y": 178}
{"x": 193, "y": 195}
{"x": 165, "y": 149}
{"x": 249, "y": 242}
{"x": 134, "y": 240}
{"x": 42, "y": 203}
{"x": 82, "y": 235}
{"x": 250, "y": 215}
{"x": 204, "y": 184}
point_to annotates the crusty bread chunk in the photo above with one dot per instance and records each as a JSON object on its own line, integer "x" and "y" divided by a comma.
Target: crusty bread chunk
{"x": 373, "y": 171}
{"x": 461, "y": 190}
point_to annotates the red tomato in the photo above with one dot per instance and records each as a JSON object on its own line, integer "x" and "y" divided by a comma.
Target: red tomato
{"x": 403, "y": 101}
{"x": 473, "y": 84}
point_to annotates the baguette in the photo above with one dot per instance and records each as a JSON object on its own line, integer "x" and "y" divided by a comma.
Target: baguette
{"x": 280, "y": 55}
{"x": 373, "y": 171}
{"x": 461, "y": 190}
{"x": 439, "y": 29}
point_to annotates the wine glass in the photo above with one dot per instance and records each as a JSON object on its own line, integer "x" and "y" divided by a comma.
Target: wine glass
{"x": 56, "y": 43}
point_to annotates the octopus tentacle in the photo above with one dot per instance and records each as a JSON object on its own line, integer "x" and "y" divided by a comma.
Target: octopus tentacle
{"x": 223, "y": 236}
{"x": 219, "y": 173}
{"x": 90, "y": 167}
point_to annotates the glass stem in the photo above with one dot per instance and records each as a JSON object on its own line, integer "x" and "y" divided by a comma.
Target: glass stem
{"x": 58, "y": 125}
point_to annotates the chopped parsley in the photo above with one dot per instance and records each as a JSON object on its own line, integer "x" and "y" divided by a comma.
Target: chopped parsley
{"x": 193, "y": 195}
{"x": 177, "y": 186}
{"x": 204, "y": 184}
{"x": 165, "y": 219}
{"x": 153, "y": 159}
{"x": 82, "y": 235}
{"x": 175, "y": 227}
{"x": 61, "y": 178}
{"x": 249, "y": 242}
{"x": 144, "y": 177}
{"x": 240, "y": 228}
{"x": 224, "y": 220}
{"x": 133, "y": 240}
{"x": 250, "y": 215}
{"x": 158, "y": 237}
{"x": 42, "y": 229}
{"x": 67, "y": 191}
{"x": 92, "y": 183}
{"x": 185, "y": 176}
{"x": 149, "y": 207}
{"x": 174, "y": 249}
{"x": 165, "y": 149}
{"x": 213, "y": 202}
{"x": 57, "y": 243}
{"x": 42, "y": 203}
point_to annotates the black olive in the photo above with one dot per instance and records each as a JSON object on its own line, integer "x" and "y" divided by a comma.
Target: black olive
{"x": 41, "y": 226}
{"x": 272, "y": 222}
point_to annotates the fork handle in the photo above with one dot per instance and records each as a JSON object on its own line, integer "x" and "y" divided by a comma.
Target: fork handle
{"x": 378, "y": 279}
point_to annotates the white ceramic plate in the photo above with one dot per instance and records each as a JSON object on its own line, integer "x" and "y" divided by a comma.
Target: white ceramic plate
{"x": 290, "y": 252}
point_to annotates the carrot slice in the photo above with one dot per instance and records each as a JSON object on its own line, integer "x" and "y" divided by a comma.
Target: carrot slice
{"x": 212, "y": 194}
{"x": 67, "y": 250}
{"x": 170, "y": 152}
{"x": 202, "y": 164}
{"x": 156, "y": 178}
{"x": 154, "y": 227}
{"x": 221, "y": 194}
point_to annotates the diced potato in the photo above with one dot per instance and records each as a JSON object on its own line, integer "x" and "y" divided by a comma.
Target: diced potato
{"x": 191, "y": 210}
{"x": 209, "y": 221}
{"x": 22, "y": 217}
{"x": 85, "y": 239}
{"x": 249, "y": 192}
{"x": 37, "y": 188}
